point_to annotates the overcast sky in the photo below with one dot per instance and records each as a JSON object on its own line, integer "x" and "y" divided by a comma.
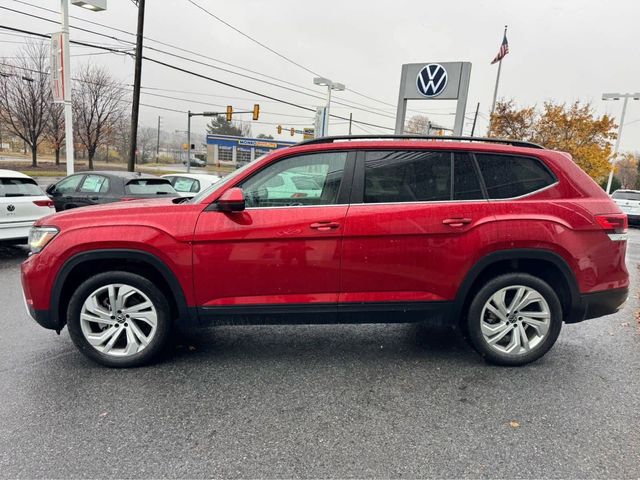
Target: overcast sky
{"x": 560, "y": 50}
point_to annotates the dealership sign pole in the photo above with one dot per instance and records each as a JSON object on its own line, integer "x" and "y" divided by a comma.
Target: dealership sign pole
{"x": 434, "y": 81}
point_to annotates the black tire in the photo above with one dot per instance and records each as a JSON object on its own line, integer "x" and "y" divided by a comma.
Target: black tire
{"x": 473, "y": 322}
{"x": 157, "y": 298}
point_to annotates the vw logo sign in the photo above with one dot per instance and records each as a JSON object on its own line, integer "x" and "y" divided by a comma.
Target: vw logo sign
{"x": 431, "y": 80}
{"x": 11, "y": 208}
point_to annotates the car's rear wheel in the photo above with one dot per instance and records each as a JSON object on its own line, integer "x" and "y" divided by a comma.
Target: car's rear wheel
{"x": 514, "y": 319}
{"x": 119, "y": 319}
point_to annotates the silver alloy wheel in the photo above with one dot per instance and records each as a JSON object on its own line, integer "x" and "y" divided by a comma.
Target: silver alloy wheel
{"x": 118, "y": 320}
{"x": 515, "y": 320}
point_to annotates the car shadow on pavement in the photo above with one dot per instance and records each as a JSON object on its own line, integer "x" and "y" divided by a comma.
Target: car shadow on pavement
{"x": 329, "y": 342}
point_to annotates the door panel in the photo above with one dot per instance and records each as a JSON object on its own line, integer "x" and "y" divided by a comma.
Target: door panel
{"x": 419, "y": 222}
{"x": 285, "y": 248}
{"x": 268, "y": 256}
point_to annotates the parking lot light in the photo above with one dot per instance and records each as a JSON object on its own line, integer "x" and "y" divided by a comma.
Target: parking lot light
{"x": 618, "y": 96}
{"x": 322, "y": 81}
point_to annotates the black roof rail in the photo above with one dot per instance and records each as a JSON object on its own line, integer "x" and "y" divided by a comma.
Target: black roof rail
{"x": 504, "y": 141}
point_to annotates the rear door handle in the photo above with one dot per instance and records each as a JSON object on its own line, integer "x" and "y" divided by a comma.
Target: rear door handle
{"x": 456, "y": 222}
{"x": 324, "y": 226}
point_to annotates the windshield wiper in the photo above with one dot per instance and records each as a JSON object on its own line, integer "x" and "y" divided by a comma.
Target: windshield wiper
{"x": 15, "y": 195}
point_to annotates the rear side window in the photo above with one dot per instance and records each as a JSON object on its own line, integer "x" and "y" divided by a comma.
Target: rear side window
{"x": 19, "y": 187}
{"x": 626, "y": 195}
{"x": 407, "y": 176}
{"x": 95, "y": 184}
{"x": 149, "y": 186}
{"x": 508, "y": 176}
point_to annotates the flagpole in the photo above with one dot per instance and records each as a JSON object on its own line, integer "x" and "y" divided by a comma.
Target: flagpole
{"x": 495, "y": 90}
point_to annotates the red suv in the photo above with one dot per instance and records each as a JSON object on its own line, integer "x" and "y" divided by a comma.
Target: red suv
{"x": 502, "y": 239}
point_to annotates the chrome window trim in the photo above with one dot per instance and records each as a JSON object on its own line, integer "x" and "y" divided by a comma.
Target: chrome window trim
{"x": 300, "y": 206}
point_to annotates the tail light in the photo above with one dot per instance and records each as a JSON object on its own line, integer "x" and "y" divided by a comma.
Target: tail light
{"x": 44, "y": 203}
{"x": 299, "y": 195}
{"x": 615, "y": 225}
{"x": 128, "y": 199}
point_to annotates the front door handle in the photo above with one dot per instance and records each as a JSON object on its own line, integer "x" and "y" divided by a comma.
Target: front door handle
{"x": 324, "y": 226}
{"x": 456, "y": 222}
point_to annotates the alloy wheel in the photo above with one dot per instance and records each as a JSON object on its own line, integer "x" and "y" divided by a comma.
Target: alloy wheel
{"x": 515, "y": 320}
{"x": 118, "y": 320}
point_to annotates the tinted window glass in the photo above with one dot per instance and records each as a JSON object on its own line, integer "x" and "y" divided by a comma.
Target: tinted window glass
{"x": 149, "y": 186}
{"x": 304, "y": 180}
{"x": 19, "y": 187}
{"x": 69, "y": 184}
{"x": 626, "y": 195}
{"x": 466, "y": 184}
{"x": 410, "y": 176}
{"x": 95, "y": 184}
{"x": 508, "y": 176}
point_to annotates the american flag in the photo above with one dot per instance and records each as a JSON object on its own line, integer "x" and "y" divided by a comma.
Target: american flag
{"x": 504, "y": 49}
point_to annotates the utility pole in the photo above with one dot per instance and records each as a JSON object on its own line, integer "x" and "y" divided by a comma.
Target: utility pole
{"x": 135, "y": 108}
{"x": 158, "y": 142}
{"x": 475, "y": 118}
{"x": 350, "y": 121}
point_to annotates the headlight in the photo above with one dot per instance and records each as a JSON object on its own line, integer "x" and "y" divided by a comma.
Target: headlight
{"x": 39, "y": 237}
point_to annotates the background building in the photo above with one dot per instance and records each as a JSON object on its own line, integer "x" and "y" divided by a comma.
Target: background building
{"x": 230, "y": 149}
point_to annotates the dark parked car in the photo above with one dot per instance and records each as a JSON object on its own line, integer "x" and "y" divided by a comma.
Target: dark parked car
{"x": 94, "y": 188}
{"x": 196, "y": 162}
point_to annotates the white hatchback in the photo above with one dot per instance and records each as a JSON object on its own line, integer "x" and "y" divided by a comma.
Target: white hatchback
{"x": 188, "y": 184}
{"x": 22, "y": 202}
{"x": 629, "y": 203}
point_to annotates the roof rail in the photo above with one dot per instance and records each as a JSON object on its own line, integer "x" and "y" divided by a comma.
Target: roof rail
{"x": 504, "y": 141}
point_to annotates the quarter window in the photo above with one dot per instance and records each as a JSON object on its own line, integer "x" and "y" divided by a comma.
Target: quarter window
{"x": 508, "y": 176}
{"x": 407, "y": 176}
{"x": 302, "y": 180}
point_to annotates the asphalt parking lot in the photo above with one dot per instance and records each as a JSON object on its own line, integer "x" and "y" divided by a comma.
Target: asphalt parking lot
{"x": 320, "y": 401}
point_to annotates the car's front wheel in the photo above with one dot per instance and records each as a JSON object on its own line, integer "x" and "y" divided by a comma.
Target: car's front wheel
{"x": 119, "y": 319}
{"x": 514, "y": 319}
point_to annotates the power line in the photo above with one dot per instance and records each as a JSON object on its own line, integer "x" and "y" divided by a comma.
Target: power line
{"x": 199, "y": 75}
{"x": 350, "y": 104}
{"x": 237, "y": 30}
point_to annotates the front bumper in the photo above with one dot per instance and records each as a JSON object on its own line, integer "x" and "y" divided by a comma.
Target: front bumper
{"x": 598, "y": 304}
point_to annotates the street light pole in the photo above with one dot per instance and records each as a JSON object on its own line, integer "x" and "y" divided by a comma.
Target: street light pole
{"x": 618, "y": 96}
{"x": 330, "y": 86}
{"x": 68, "y": 111}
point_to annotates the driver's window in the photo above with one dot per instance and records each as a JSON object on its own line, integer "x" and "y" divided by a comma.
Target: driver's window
{"x": 312, "y": 179}
{"x": 69, "y": 184}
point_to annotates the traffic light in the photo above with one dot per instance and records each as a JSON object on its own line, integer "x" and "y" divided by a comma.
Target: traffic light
{"x": 279, "y": 128}
{"x": 229, "y": 112}
{"x": 256, "y": 111}
{"x": 293, "y": 131}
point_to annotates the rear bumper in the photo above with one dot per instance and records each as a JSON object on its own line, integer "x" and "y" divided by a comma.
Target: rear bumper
{"x": 15, "y": 231}
{"x": 598, "y": 304}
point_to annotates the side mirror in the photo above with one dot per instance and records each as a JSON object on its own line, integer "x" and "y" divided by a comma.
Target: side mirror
{"x": 51, "y": 189}
{"x": 231, "y": 201}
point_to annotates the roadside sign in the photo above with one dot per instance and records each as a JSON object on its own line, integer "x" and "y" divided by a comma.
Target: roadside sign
{"x": 320, "y": 121}
{"x": 58, "y": 68}
{"x": 308, "y": 133}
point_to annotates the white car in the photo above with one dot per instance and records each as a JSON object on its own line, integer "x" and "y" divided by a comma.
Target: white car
{"x": 22, "y": 202}
{"x": 188, "y": 184}
{"x": 629, "y": 203}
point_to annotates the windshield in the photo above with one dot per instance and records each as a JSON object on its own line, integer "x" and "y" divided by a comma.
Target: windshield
{"x": 150, "y": 186}
{"x": 620, "y": 195}
{"x": 19, "y": 187}
{"x": 224, "y": 180}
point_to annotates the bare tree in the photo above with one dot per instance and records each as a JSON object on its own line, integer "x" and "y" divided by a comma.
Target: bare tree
{"x": 54, "y": 128}
{"x": 122, "y": 136}
{"x": 25, "y": 95}
{"x": 98, "y": 106}
{"x": 418, "y": 124}
{"x": 146, "y": 143}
